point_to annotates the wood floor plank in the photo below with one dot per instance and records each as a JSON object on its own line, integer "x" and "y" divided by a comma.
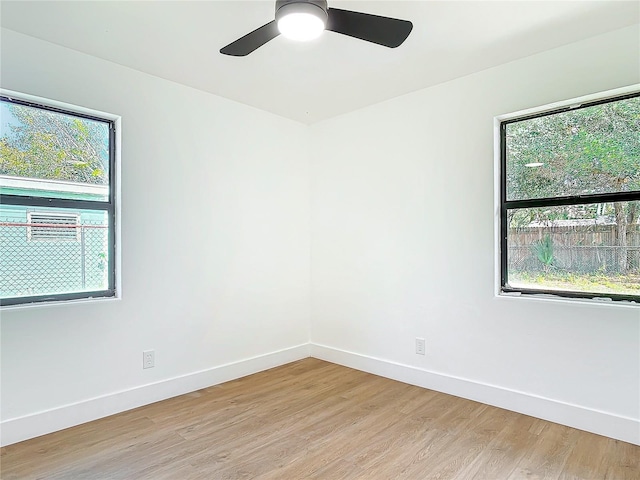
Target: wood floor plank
{"x": 624, "y": 461}
{"x": 316, "y": 420}
{"x": 546, "y": 457}
{"x": 588, "y": 457}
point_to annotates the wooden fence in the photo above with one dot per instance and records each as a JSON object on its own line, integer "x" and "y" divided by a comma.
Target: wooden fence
{"x": 582, "y": 248}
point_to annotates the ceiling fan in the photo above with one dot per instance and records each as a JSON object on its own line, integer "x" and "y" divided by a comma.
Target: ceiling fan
{"x": 306, "y": 19}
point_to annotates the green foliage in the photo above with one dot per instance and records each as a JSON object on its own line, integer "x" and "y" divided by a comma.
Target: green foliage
{"x": 102, "y": 261}
{"x": 52, "y": 146}
{"x": 543, "y": 250}
{"x": 583, "y": 151}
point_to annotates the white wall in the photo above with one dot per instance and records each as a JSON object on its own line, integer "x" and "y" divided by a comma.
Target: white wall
{"x": 215, "y": 249}
{"x": 403, "y": 247}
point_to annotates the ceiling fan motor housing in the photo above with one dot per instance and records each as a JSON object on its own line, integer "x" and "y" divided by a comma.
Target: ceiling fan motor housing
{"x": 314, "y": 7}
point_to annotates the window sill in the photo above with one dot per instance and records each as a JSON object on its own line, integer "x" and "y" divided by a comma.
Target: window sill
{"x": 59, "y": 303}
{"x": 592, "y": 302}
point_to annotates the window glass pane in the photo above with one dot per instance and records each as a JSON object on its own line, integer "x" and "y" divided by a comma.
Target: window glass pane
{"x": 52, "y": 251}
{"x": 51, "y": 154}
{"x": 584, "y": 151}
{"x": 583, "y": 248}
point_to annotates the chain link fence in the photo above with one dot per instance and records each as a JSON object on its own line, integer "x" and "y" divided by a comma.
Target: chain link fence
{"x": 38, "y": 258}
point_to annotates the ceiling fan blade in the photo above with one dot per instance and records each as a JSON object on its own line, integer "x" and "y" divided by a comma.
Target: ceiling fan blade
{"x": 390, "y": 32}
{"x": 251, "y": 41}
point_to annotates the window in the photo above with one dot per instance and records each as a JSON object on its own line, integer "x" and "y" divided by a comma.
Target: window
{"x": 57, "y": 203}
{"x": 570, "y": 201}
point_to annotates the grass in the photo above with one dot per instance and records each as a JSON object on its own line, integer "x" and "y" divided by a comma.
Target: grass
{"x": 628, "y": 284}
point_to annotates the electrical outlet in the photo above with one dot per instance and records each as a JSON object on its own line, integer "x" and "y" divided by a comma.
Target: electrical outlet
{"x": 420, "y": 347}
{"x": 148, "y": 359}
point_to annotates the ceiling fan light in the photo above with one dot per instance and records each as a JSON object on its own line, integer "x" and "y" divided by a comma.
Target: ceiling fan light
{"x": 301, "y": 21}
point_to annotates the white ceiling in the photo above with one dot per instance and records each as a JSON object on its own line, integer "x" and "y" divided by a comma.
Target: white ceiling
{"x": 335, "y": 74}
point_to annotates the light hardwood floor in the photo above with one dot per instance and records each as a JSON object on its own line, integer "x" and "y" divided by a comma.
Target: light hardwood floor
{"x": 315, "y": 420}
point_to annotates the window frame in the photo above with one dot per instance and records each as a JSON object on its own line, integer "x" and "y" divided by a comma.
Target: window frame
{"x": 109, "y": 206}
{"x": 506, "y": 205}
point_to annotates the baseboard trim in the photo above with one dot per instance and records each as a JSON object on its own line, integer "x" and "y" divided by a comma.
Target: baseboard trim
{"x": 15, "y": 430}
{"x": 41, "y": 423}
{"x": 576, "y": 416}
